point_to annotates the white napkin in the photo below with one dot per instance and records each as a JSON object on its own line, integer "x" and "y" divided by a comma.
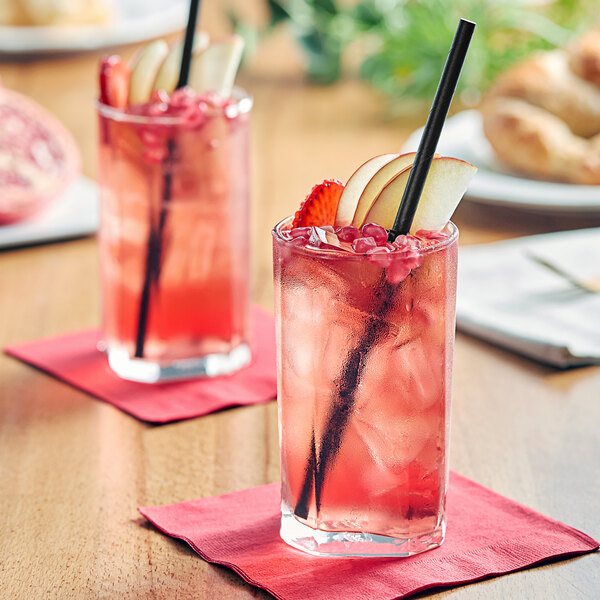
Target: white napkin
{"x": 508, "y": 299}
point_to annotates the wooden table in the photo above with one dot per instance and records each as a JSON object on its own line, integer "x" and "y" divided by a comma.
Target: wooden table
{"x": 73, "y": 469}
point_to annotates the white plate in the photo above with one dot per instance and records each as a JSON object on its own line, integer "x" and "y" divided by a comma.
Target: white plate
{"x": 463, "y": 137}
{"x": 74, "y": 214}
{"x": 135, "y": 21}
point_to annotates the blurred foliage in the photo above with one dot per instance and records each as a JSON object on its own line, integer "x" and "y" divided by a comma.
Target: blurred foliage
{"x": 403, "y": 43}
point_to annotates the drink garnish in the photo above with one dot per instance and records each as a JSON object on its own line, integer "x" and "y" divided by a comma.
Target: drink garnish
{"x": 320, "y": 205}
{"x": 207, "y": 66}
{"x": 114, "y": 81}
{"x": 376, "y": 202}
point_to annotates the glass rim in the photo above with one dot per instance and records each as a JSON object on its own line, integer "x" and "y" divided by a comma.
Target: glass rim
{"x": 243, "y": 104}
{"x": 341, "y": 255}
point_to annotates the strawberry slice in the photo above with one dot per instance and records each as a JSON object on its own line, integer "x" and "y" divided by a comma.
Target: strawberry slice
{"x": 114, "y": 81}
{"x": 320, "y": 205}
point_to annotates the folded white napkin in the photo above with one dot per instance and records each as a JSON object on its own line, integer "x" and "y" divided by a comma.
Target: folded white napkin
{"x": 509, "y": 299}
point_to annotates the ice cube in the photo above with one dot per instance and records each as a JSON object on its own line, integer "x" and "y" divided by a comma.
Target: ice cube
{"x": 298, "y": 328}
{"x": 395, "y": 410}
{"x": 343, "y": 328}
{"x": 423, "y": 369}
{"x": 392, "y": 439}
{"x": 299, "y": 232}
{"x": 326, "y": 239}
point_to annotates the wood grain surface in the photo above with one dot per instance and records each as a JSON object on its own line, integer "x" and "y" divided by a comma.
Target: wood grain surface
{"x": 73, "y": 469}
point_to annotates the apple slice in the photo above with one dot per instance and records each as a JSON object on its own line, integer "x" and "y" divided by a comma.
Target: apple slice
{"x": 446, "y": 184}
{"x": 214, "y": 69}
{"x": 377, "y": 182}
{"x": 355, "y": 186}
{"x": 168, "y": 74}
{"x": 145, "y": 66}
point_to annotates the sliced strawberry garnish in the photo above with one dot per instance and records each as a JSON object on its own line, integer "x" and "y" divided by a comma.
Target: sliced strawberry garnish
{"x": 320, "y": 205}
{"x": 114, "y": 81}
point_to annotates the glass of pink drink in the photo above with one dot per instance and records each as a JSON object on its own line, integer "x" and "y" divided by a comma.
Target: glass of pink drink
{"x": 365, "y": 346}
{"x": 174, "y": 241}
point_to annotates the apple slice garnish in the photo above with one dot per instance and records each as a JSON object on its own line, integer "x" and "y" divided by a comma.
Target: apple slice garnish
{"x": 214, "y": 69}
{"x": 377, "y": 182}
{"x": 145, "y": 66}
{"x": 355, "y": 186}
{"x": 445, "y": 185}
{"x": 168, "y": 74}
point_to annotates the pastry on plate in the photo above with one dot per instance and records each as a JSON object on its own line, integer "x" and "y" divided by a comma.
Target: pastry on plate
{"x": 54, "y": 12}
{"x": 542, "y": 116}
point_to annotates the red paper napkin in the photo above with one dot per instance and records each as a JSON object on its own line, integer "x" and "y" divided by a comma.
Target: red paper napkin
{"x": 74, "y": 359}
{"x": 487, "y": 535}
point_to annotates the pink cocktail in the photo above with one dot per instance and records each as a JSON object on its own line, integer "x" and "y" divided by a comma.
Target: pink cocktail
{"x": 364, "y": 375}
{"x": 174, "y": 242}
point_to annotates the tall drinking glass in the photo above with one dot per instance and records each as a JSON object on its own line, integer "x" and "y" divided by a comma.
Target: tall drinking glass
{"x": 174, "y": 240}
{"x": 364, "y": 375}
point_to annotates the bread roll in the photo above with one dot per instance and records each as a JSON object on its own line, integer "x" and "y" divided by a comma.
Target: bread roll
{"x": 54, "y": 12}
{"x": 542, "y": 116}
{"x": 534, "y": 141}
{"x": 584, "y": 57}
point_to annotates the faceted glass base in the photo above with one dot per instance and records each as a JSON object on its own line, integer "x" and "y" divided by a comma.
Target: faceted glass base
{"x": 352, "y": 543}
{"x": 211, "y": 365}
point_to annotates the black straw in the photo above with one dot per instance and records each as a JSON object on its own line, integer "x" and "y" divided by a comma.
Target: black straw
{"x": 343, "y": 403}
{"x": 155, "y": 238}
{"x": 188, "y": 44}
{"x": 433, "y": 129}
{"x": 318, "y": 464}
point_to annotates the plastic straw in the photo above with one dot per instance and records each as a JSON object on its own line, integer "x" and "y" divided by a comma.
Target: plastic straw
{"x": 188, "y": 44}
{"x": 433, "y": 129}
{"x": 155, "y": 241}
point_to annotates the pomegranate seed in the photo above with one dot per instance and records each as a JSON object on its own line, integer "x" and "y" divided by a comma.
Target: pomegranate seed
{"x": 362, "y": 245}
{"x": 182, "y": 97}
{"x": 154, "y": 154}
{"x": 377, "y": 232}
{"x": 150, "y": 137}
{"x": 348, "y": 233}
{"x": 159, "y": 97}
{"x": 414, "y": 259}
{"x": 400, "y": 241}
{"x": 413, "y": 241}
{"x": 398, "y": 271}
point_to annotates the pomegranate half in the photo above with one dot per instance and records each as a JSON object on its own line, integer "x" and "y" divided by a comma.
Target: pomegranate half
{"x": 38, "y": 157}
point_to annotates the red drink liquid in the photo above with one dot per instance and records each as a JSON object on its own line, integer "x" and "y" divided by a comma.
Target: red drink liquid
{"x": 174, "y": 178}
{"x": 365, "y": 363}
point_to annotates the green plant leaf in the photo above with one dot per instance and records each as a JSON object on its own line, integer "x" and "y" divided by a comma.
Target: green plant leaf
{"x": 278, "y": 13}
{"x": 407, "y": 41}
{"x": 323, "y": 56}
